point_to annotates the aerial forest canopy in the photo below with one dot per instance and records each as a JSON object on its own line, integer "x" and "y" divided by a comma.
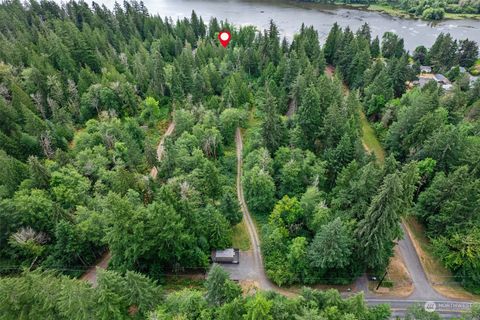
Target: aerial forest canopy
{"x": 86, "y": 93}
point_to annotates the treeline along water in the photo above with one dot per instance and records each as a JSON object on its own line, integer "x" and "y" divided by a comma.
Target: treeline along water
{"x": 289, "y": 15}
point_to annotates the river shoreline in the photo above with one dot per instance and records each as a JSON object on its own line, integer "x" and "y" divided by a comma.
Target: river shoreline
{"x": 398, "y": 13}
{"x": 391, "y": 11}
{"x": 289, "y": 15}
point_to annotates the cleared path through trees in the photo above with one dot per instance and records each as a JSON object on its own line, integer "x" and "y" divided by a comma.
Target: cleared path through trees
{"x": 252, "y": 267}
{"x": 91, "y": 274}
{"x": 256, "y": 268}
{"x": 160, "y": 148}
{"x": 422, "y": 287}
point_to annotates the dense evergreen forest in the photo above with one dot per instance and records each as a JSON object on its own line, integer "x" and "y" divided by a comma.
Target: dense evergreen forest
{"x": 43, "y": 295}
{"x": 435, "y": 129}
{"x": 83, "y": 92}
{"x": 86, "y": 93}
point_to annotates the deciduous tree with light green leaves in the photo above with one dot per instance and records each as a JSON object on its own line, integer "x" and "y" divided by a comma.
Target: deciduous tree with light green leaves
{"x": 259, "y": 190}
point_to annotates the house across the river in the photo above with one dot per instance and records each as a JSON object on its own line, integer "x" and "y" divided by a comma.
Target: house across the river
{"x": 425, "y": 69}
{"x": 439, "y": 78}
{"x": 473, "y": 79}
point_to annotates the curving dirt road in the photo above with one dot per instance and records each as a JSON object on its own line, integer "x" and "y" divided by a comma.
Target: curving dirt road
{"x": 160, "y": 148}
{"x": 251, "y": 267}
{"x": 91, "y": 274}
{"x": 257, "y": 271}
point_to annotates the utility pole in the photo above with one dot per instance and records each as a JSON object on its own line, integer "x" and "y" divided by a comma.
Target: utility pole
{"x": 381, "y": 280}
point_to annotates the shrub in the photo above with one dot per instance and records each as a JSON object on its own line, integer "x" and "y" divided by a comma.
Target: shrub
{"x": 433, "y": 13}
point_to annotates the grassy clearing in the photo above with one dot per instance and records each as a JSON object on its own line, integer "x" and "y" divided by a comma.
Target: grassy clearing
{"x": 475, "y": 70}
{"x": 397, "y": 12}
{"x": 398, "y": 276}
{"x": 240, "y": 238}
{"x": 253, "y": 120}
{"x": 460, "y": 16}
{"x": 369, "y": 139}
{"x": 392, "y": 11}
{"x": 155, "y": 133}
{"x": 440, "y": 277}
{"x": 176, "y": 283}
{"x": 73, "y": 143}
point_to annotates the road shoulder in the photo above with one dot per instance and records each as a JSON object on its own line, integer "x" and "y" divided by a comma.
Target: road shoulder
{"x": 441, "y": 279}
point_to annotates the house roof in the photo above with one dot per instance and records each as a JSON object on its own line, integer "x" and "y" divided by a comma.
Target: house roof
{"x": 423, "y": 79}
{"x": 441, "y": 78}
{"x": 422, "y": 82}
{"x": 426, "y": 68}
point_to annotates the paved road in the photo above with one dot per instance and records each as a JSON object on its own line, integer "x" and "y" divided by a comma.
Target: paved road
{"x": 423, "y": 288}
{"x": 91, "y": 274}
{"x": 446, "y": 309}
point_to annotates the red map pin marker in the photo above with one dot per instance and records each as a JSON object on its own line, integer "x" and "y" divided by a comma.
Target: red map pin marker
{"x": 224, "y": 37}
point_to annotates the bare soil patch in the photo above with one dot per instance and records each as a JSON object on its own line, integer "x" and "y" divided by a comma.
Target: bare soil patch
{"x": 397, "y": 274}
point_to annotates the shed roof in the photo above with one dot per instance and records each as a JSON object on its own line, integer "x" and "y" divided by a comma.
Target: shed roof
{"x": 227, "y": 253}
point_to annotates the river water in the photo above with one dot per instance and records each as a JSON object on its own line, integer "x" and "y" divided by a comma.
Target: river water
{"x": 289, "y": 15}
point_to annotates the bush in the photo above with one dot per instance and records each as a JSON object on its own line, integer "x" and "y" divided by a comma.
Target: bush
{"x": 433, "y": 13}
{"x": 387, "y": 284}
{"x": 454, "y": 8}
